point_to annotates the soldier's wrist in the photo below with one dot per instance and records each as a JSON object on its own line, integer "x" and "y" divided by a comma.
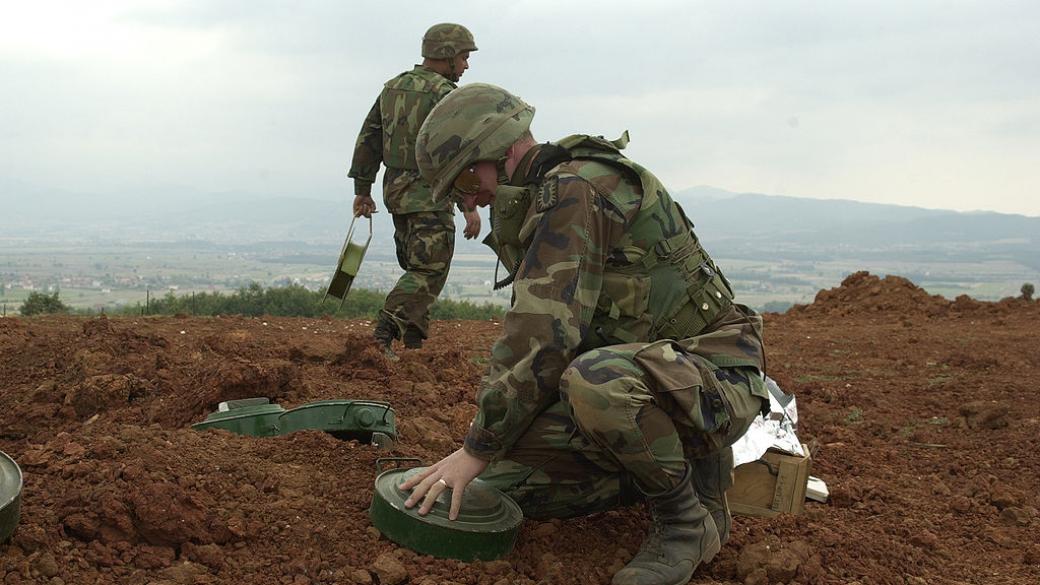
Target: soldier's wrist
{"x": 481, "y": 444}
{"x": 362, "y": 188}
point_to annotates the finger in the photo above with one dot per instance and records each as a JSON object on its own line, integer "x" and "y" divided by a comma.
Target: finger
{"x": 417, "y": 478}
{"x": 418, "y": 492}
{"x": 436, "y": 489}
{"x": 422, "y": 491}
{"x": 456, "y": 503}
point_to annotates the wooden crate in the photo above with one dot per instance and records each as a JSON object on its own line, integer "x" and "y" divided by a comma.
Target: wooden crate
{"x": 775, "y": 484}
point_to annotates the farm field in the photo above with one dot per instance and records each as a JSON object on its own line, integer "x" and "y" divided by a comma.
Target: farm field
{"x": 107, "y": 277}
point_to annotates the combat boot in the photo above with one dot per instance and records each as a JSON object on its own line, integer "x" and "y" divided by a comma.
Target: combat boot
{"x": 413, "y": 337}
{"x": 385, "y": 333}
{"x": 682, "y": 536}
{"x": 712, "y": 477}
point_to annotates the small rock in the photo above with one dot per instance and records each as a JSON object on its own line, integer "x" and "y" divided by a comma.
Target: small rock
{"x": 998, "y": 536}
{"x": 389, "y": 570}
{"x": 46, "y": 565}
{"x": 361, "y": 577}
{"x": 373, "y": 532}
{"x": 210, "y": 555}
{"x": 960, "y": 504}
{"x": 779, "y": 562}
{"x": 1002, "y": 498}
{"x": 985, "y": 414}
{"x": 1015, "y": 517}
{"x": 925, "y": 539}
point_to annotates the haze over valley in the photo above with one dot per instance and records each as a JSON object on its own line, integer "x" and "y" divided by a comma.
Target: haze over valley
{"x": 106, "y": 252}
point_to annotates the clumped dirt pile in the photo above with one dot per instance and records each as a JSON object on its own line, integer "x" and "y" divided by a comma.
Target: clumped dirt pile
{"x": 925, "y": 431}
{"x": 862, "y": 293}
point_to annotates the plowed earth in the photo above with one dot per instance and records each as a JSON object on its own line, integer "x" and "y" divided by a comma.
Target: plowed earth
{"x": 922, "y": 412}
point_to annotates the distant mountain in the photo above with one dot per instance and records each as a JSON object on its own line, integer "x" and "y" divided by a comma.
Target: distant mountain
{"x": 731, "y": 224}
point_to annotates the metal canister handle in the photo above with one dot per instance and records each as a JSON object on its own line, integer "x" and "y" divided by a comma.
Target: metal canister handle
{"x": 350, "y": 230}
{"x": 382, "y": 460}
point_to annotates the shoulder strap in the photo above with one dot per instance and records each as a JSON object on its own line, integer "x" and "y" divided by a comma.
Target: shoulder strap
{"x": 583, "y": 146}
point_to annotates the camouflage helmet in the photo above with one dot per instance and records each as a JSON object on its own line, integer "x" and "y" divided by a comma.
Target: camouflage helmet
{"x": 475, "y": 122}
{"x": 445, "y": 40}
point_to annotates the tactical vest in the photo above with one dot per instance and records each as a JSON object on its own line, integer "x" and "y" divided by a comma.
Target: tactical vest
{"x": 405, "y": 102}
{"x": 666, "y": 288}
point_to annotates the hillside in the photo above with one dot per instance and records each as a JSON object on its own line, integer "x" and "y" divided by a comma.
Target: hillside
{"x": 922, "y": 412}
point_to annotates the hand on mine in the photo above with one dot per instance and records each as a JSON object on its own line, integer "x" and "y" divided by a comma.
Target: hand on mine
{"x": 454, "y": 471}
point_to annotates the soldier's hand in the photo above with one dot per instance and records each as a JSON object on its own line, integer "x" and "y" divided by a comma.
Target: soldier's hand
{"x": 472, "y": 224}
{"x": 454, "y": 471}
{"x": 364, "y": 205}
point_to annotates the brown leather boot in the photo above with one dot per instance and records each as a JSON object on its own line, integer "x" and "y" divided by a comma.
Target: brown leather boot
{"x": 712, "y": 477}
{"x": 682, "y": 536}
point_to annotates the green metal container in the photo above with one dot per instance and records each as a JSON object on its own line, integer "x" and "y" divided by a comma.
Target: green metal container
{"x": 10, "y": 495}
{"x": 250, "y": 416}
{"x": 350, "y": 257}
{"x": 367, "y": 421}
{"x": 486, "y": 528}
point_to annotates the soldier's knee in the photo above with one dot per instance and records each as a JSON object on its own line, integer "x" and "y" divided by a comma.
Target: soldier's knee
{"x": 597, "y": 382}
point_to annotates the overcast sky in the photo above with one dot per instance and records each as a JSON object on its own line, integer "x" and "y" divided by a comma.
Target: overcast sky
{"x": 934, "y": 104}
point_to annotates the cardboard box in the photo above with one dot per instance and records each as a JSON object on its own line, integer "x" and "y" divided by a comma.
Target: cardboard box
{"x": 775, "y": 484}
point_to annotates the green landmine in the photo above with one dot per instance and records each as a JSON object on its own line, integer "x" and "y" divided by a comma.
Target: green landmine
{"x": 251, "y": 416}
{"x": 10, "y": 495}
{"x": 485, "y": 530}
{"x": 367, "y": 421}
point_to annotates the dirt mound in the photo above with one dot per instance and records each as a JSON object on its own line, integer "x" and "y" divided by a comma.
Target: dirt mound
{"x": 925, "y": 435}
{"x": 863, "y": 292}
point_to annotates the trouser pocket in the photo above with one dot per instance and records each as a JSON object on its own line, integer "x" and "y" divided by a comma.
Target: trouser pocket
{"x": 711, "y": 407}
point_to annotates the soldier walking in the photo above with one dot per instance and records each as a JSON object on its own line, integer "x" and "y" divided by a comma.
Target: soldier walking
{"x": 424, "y": 229}
{"x": 625, "y": 371}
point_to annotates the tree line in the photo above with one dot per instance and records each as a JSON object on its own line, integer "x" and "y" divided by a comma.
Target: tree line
{"x": 256, "y": 300}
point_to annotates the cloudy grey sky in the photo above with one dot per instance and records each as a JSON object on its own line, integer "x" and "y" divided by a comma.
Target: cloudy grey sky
{"x": 927, "y": 103}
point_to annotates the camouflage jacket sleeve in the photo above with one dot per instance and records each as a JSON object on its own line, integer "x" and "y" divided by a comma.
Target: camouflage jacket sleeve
{"x": 555, "y": 290}
{"x": 368, "y": 152}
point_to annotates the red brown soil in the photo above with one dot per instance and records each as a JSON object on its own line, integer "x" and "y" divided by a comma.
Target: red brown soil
{"x": 922, "y": 410}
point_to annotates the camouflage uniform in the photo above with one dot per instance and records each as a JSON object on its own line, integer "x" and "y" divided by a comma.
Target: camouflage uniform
{"x": 590, "y": 386}
{"x": 424, "y": 230}
{"x": 622, "y": 355}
